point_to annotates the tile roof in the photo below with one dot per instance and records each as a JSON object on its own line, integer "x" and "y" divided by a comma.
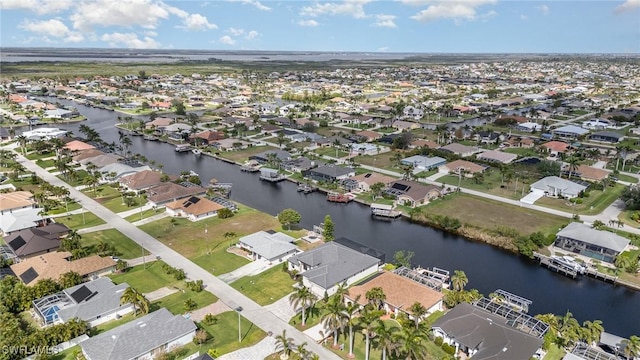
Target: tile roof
{"x": 467, "y": 166}
{"x": 35, "y": 240}
{"x": 16, "y": 199}
{"x": 142, "y": 179}
{"x": 54, "y": 264}
{"x": 169, "y": 191}
{"x": 194, "y": 205}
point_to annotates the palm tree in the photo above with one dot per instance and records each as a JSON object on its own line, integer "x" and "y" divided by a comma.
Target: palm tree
{"x": 302, "y": 351}
{"x": 569, "y": 330}
{"x": 137, "y": 299}
{"x": 386, "y": 339}
{"x": 369, "y": 320}
{"x": 348, "y": 313}
{"x": 418, "y": 311}
{"x": 572, "y": 161}
{"x": 22, "y": 141}
{"x": 631, "y": 347}
{"x": 302, "y": 297}
{"x": 333, "y": 319}
{"x": 376, "y": 297}
{"x": 284, "y": 344}
{"x": 413, "y": 342}
{"x": 341, "y": 292}
{"x": 591, "y": 331}
{"x": 459, "y": 280}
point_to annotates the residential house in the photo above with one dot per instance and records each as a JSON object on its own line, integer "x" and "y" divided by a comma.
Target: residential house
{"x": 413, "y": 194}
{"x": 482, "y": 335}
{"x": 329, "y": 173}
{"x": 597, "y": 124}
{"x": 555, "y": 148}
{"x": 115, "y": 171}
{"x": 207, "y": 137}
{"x": 365, "y": 149}
{"x": 582, "y": 239}
{"x": 571, "y": 132}
{"x": 78, "y": 146}
{"x": 18, "y": 211}
{"x": 400, "y": 292}
{"x": 366, "y": 180}
{"x": 265, "y": 157}
{"x": 95, "y": 302}
{"x": 35, "y": 241}
{"x": 100, "y": 160}
{"x": 557, "y": 187}
{"x": 58, "y": 114}
{"x": 158, "y": 123}
{"x": 368, "y": 135}
{"x": 144, "y": 338}
{"x": 497, "y": 156}
{"x": 606, "y": 136}
{"x": 423, "y": 163}
{"x": 405, "y": 125}
{"x": 361, "y": 248}
{"x": 586, "y": 172}
{"x": 15, "y": 201}
{"x": 529, "y": 127}
{"x": 268, "y": 245}
{"x": 327, "y": 266}
{"x": 52, "y": 265}
{"x": 301, "y": 164}
{"x": 468, "y": 168}
{"x": 423, "y": 143}
{"x": 193, "y": 208}
{"x": 168, "y": 192}
{"x": 460, "y": 150}
{"x": 141, "y": 180}
{"x": 231, "y": 144}
{"x": 43, "y": 134}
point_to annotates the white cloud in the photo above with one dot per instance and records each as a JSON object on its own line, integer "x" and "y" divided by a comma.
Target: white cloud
{"x": 235, "y": 32}
{"x": 51, "y": 28}
{"x": 130, "y": 40}
{"x": 309, "y": 23}
{"x": 383, "y": 49}
{"x": 252, "y": 35}
{"x": 523, "y": 17}
{"x": 41, "y": 7}
{"x": 383, "y": 20}
{"x": 226, "y": 39}
{"x": 544, "y": 9}
{"x": 106, "y": 13}
{"x": 354, "y": 8}
{"x": 628, "y": 5}
{"x": 197, "y": 22}
{"x": 255, "y": 3}
{"x": 455, "y": 10}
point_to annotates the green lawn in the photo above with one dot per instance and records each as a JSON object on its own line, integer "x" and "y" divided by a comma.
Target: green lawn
{"x": 80, "y": 221}
{"x": 78, "y": 180}
{"x": 46, "y": 163}
{"x": 35, "y": 156}
{"x": 314, "y": 316}
{"x": 175, "y": 302}
{"x": 70, "y": 206}
{"x": 69, "y": 354}
{"x": 113, "y": 324}
{"x": 224, "y": 333}
{"x": 331, "y": 151}
{"x": 146, "y": 279}
{"x": 594, "y": 204}
{"x": 145, "y": 214}
{"x": 554, "y": 353}
{"x": 219, "y": 261}
{"x": 627, "y": 178}
{"x": 124, "y": 247}
{"x": 116, "y": 205}
{"x": 267, "y": 287}
{"x": 521, "y": 151}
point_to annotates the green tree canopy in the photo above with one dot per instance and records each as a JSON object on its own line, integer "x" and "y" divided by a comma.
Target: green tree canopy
{"x": 288, "y": 217}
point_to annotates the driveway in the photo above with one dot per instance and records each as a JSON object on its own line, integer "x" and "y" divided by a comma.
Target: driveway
{"x": 230, "y": 296}
{"x": 253, "y": 268}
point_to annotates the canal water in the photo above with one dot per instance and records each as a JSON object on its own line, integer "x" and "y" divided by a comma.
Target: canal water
{"x": 487, "y": 268}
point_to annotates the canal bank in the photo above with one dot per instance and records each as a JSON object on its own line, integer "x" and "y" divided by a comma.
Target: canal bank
{"x": 488, "y": 268}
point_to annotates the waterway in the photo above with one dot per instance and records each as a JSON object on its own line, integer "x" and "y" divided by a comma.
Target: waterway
{"x": 487, "y": 268}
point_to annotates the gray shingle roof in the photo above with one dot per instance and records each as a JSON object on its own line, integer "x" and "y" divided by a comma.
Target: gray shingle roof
{"x": 269, "y": 246}
{"x": 105, "y": 301}
{"x": 477, "y": 328}
{"x": 585, "y": 233}
{"x": 332, "y": 264}
{"x": 554, "y": 184}
{"x": 138, "y": 337}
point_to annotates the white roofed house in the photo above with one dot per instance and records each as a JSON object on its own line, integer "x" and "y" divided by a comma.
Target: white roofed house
{"x": 423, "y": 163}
{"x": 268, "y": 245}
{"x": 558, "y": 187}
{"x": 597, "y": 244}
{"x": 497, "y": 156}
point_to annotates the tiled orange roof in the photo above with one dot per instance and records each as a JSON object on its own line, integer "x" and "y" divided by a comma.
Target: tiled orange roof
{"x": 53, "y": 265}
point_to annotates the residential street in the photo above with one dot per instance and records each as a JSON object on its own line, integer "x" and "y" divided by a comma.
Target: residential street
{"x": 231, "y": 297}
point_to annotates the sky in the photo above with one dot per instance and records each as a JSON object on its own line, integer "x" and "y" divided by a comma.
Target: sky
{"x": 416, "y": 26}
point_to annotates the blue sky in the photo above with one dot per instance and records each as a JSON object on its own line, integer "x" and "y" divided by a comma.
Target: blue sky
{"x": 457, "y": 26}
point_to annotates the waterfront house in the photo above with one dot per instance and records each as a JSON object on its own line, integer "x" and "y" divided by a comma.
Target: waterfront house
{"x": 193, "y": 208}
{"x": 158, "y": 123}
{"x": 555, "y": 148}
{"x": 265, "y": 157}
{"x": 412, "y": 193}
{"x": 144, "y": 338}
{"x": 483, "y": 335}
{"x": 268, "y": 245}
{"x": 400, "y": 292}
{"x": 368, "y": 135}
{"x": 324, "y": 268}
{"x": 168, "y": 191}
{"x": 571, "y": 132}
{"x": 364, "y": 181}
{"x": 361, "y": 248}
{"x": 100, "y": 160}
{"x": 497, "y": 156}
{"x": 586, "y": 172}
{"x": 207, "y": 137}
{"x": 95, "y": 302}
{"x": 36, "y": 241}
{"x": 329, "y": 173}
{"x": 141, "y": 180}
{"x": 460, "y": 150}
{"x": 43, "y": 134}
{"x": 557, "y": 187}
{"x": 584, "y": 240}
{"x": 78, "y": 146}
{"x": 423, "y": 163}
{"x": 606, "y": 136}
{"x": 301, "y": 164}
{"x": 52, "y": 265}
{"x": 114, "y": 171}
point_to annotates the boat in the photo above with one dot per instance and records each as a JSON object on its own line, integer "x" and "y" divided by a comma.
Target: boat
{"x": 568, "y": 263}
{"x": 136, "y": 133}
{"x": 196, "y": 152}
{"x": 151, "y": 138}
{"x": 384, "y": 211}
{"x": 306, "y": 188}
{"x": 339, "y": 198}
{"x": 183, "y": 148}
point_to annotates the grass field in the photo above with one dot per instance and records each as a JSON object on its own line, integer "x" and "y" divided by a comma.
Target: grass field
{"x": 331, "y": 151}
{"x": 124, "y": 247}
{"x": 145, "y": 214}
{"x": 554, "y": 353}
{"x": 175, "y": 302}
{"x": 488, "y": 214}
{"x": 224, "y": 333}
{"x": 267, "y": 287}
{"x": 594, "y": 204}
{"x": 80, "y": 221}
{"x": 146, "y": 279}
{"x": 208, "y": 250}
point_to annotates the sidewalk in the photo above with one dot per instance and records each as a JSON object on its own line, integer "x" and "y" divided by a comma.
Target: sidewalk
{"x": 282, "y": 308}
{"x": 261, "y": 350}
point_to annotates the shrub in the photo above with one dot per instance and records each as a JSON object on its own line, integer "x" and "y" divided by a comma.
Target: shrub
{"x": 190, "y": 305}
{"x": 224, "y": 213}
{"x": 448, "y": 349}
{"x": 438, "y": 341}
{"x": 210, "y": 319}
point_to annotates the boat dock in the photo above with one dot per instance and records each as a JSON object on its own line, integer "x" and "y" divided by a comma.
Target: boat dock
{"x": 271, "y": 175}
{"x": 553, "y": 264}
{"x": 338, "y": 198}
{"x": 384, "y": 210}
{"x": 183, "y": 148}
{"x": 306, "y": 188}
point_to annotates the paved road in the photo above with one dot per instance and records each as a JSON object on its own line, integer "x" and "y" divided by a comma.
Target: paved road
{"x": 230, "y": 296}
